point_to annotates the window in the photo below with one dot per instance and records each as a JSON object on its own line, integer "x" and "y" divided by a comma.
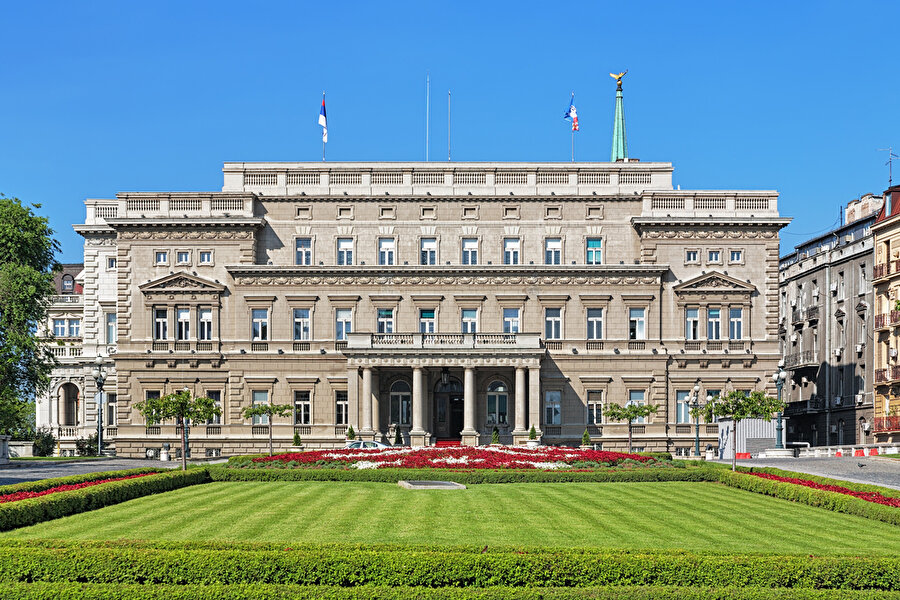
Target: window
{"x": 342, "y": 327}
{"x": 511, "y": 251}
{"x": 259, "y": 324}
{"x": 151, "y": 395}
{"x": 712, "y": 396}
{"x": 594, "y": 407}
{"x": 302, "y": 408}
{"x": 683, "y": 408}
{"x": 636, "y": 330}
{"x": 552, "y": 251}
{"x": 162, "y": 258}
{"x": 303, "y": 249}
{"x": 260, "y": 397}
{"x": 206, "y": 257}
{"x": 470, "y": 251}
{"x": 595, "y": 323}
{"x": 341, "y": 408}
{"x": 385, "y": 251}
{"x": 385, "y": 320}
{"x": 692, "y": 324}
{"x": 840, "y": 286}
{"x": 59, "y": 327}
{"x": 713, "y": 323}
{"x": 497, "y": 399}
{"x": 510, "y": 320}
{"x": 204, "y": 329}
{"x": 216, "y": 397}
{"x": 428, "y": 248}
{"x": 735, "y": 323}
{"x": 111, "y": 413}
{"x": 401, "y": 403}
{"x": 469, "y": 320}
{"x": 552, "y": 407}
{"x": 68, "y": 283}
{"x": 111, "y": 263}
{"x": 160, "y": 324}
{"x": 691, "y": 256}
{"x": 714, "y": 256}
{"x": 862, "y": 278}
{"x": 345, "y": 251}
{"x": 736, "y": 256}
{"x": 111, "y": 334}
{"x": 426, "y": 320}
{"x": 182, "y": 257}
{"x": 74, "y": 327}
{"x": 552, "y": 323}
{"x": 636, "y": 397}
{"x": 183, "y": 323}
{"x": 594, "y": 251}
{"x": 301, "y": 324}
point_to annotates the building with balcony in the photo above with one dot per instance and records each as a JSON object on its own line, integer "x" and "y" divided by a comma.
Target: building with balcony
{"x": 886, "y": 422}
{"x": 826, "y": 299}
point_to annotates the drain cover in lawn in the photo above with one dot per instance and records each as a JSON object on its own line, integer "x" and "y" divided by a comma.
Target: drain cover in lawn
{"x": 431, "y": 485}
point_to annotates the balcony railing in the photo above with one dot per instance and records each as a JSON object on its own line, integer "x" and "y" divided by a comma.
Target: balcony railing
{"x": 806, "y": 358}
{"x": 880, "y": 271}
{"x": 881, "y": 375}
{"x": 886, "y": 424}
{"x": 67, "y": 299}
{"x": 881, "y": 321}
{"x": 895, "y": 317}
{"x": 812, "y": 313}
{"x": 365, "y": 341}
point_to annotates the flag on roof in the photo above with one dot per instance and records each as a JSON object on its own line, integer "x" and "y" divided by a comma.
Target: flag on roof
{"x": 322, "y": 121}
{"x": 571, "y": 114}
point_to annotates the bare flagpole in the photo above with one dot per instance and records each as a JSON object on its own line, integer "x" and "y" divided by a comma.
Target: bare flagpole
{"x": 573, "y": 135}
{"x": 448, "y": 125}
{"x": 427, "y": 111}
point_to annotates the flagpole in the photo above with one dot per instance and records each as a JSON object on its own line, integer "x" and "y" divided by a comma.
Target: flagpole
{"x": 323, "y": 137}
{"x": 448, "y": 126}
{"x": 573, "y": 145}
{"x": 427, "y": 111}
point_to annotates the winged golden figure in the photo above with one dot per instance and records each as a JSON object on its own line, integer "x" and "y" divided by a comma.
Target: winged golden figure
{"x": 618, "y": 77}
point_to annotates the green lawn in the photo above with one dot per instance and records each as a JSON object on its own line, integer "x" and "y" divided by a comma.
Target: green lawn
{"x": 695, "y": 516}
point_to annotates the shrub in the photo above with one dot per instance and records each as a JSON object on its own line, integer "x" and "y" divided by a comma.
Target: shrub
{"x": 585, "y": 438}
{"x": 656, "y": 455}
{"x": 297, "y": 441}
{"x": 532, "y": 434}
{"x": 87, "y": 446}
{"x": 46, "y": 484}
{"x": 351, "y": 435}
{"x": 44, "y": 442}
{"x": 398, "y": 437}
{"x": 495, "y": 436}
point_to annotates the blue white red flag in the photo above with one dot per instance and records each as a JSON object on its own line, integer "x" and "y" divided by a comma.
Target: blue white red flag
{"x": 323, "y": 122}
{"x": 571, "y": 114}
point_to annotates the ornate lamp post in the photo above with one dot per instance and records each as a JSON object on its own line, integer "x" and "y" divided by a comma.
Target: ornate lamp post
{"x": 99, "y": 376}
{"x": 695, "y": 404}
{"x": 778, "y": 377}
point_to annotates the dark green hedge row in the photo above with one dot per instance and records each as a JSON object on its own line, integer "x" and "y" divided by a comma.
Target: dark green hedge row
{"x": 80, "y": 591}
{"x": 441, "y": 568}
{"x": 850, "y": 485}
{"x": 46, "y": 484}
{"x": 60, "y": 504}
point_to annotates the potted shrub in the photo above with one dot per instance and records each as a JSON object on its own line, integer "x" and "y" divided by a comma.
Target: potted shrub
{"x": 398, "y": 436}
{"x": 495, "y": 437}
{"x": 351, "y": 435}
{"x": 533, "y": 440}
{"x": 586, "y": 440}
{"x": 298, "y": 443}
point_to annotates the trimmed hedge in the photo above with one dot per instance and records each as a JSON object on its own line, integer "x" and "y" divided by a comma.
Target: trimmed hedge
{"x": 79, "y": 591}
{"x": 45, "y": 484}
{"x": 850, "y": 485}
{"x": 60, "y": 504}
{"x": 440, "y": 568}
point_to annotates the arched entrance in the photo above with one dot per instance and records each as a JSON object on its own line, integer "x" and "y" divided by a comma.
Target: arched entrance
{"x": 448, "y": 413}
{"x": 68, "y": 405}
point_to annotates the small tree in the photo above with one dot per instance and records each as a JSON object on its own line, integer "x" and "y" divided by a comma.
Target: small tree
{"x": 398, "y": 436}
{"x": 181, "y": 406}
{"x": 351, "y": 435}
{"x": 495, "y": 436}
{"x": 630, "y": 412}
{"x": 585, "y": 438}
{"x": 738, "y": 406}
{"x": 268, "y": 411}
{"x": 297, "y": 441}
{"x": 532, "y": 434}
{"x": 44, "y": 442}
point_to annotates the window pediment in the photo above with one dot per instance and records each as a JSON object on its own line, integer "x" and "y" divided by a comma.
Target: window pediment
{"x": 712, "y": 283}
{"x": 181, "y": 283}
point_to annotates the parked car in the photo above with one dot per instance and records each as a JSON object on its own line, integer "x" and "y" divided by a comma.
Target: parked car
{"x": 359, "y": 444}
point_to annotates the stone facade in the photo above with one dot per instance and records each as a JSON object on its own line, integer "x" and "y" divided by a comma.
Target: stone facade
{"x": 439, "y": 301}
{"x": 887, "y": 319}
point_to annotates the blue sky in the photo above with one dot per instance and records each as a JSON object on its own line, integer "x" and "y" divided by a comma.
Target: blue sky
{"x": 103, "y": 97}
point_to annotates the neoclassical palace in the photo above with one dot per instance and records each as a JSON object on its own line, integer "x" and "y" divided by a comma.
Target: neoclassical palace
{"x": 440, "y": 300}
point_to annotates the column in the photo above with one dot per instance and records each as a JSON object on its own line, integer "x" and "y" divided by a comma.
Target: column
{"x": 521, "y": 406}
{"x": 353, "y": 398}
{"x": 418, "y": 404}
{"x": 366, "y": 400}
{"x": 376, "y": 406}
{"x": 534, "y": 398}
{"x": 469, "y": 402}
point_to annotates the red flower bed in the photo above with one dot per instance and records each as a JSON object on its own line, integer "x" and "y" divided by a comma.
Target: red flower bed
{"x": 867, "y": 496}
{"x": 465, "y": 457}
{"x": 64, "y": 488}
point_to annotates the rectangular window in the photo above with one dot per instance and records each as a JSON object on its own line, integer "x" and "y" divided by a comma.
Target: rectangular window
{"x": 713, "y": 323}
{"x": 840, "y": 286}
{"x": 736, "y": 256}
{"x": 303, "y": 249}
{"x": 260, "y": 397}
{"x": 511, "y": 251}
{"x": 692, "y": 324}
{"x": 162, "y": 258}
{"x": 182, "y": 257}
{"x": 552, "y": 323}
{"x": 714, "y": 256}
{"x": 497, "y": 401}
{"x": 111, "y": 263}
{"x": 691, "y": 256}
{"x": 426, "y": 321}
{"x": 594, "y": 251}
{"x": 469, "y": 320}
{"x": 510, "y": 320}
{"x": 341, "y": 408}
{"x": 206, "y": 257}
{"x": 552, "y": 407}
{"x": 594, "y": 407}
{"x": 595, "y": 323}
{"x": 553, "y": 251}
{"x": 428, "y": 248}
{"x": 216, "y": 397}
{"x": 151, "y": 395}
{"x": 385, "y": 251}
{"x": 342, "y": 327}
{"x": 401, "y": 404}
{"x": 385, "y": 320}
{"x": 160, "y": 324}
{"x": 59, "y": 327}
{"x": 260, "y": 324}
{"x": 111, "y": 334}
{"x": 470, "y": 251}
{"x": 345, "y": 251}
{"x": 112, "y": 415}
{"x": 736, "y": 324}
{"x": 183, "y": 323}
{"x": 302, "y": 408}
{"x": 683, "y": 408}
{"x": 74, "y": 327}
{"x": 204, "y": 329}
{"x": 636, "y": 322}
{"x": 636, "y": 397}
{"x": 302, "y": 324}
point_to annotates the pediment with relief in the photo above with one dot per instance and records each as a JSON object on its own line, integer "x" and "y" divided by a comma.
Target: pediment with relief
{"x": 714, "y": 282}
{"x": 181, "y": 282}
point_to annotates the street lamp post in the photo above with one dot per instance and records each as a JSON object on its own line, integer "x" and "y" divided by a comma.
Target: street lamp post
{"x": 778, "y": 377}
{"x": 99, "y": 378}
{"x": 695, "y": 404}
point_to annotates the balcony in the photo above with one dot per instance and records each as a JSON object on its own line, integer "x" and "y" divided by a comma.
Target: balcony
{"x": 799, "y": 360}
{"x": 888, "y": 374}
{"x": 886, "y": 424}
{"x": 152, "y": 205}
{"x": 895, "y": 317}
{"x": 797, "y": 316}
{"x": 372, "y": 341}
{"x": 812, "y": 313}
{"x": 880, "y": 271}
{"x": 881, "y": 321}
{"x": 68, "y": 300}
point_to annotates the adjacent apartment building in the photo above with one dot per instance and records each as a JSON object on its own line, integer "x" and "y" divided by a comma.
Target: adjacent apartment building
{"x": 887, "y": 318}
{"x": 440, "y": 300}
{"x": 826, "y": 300}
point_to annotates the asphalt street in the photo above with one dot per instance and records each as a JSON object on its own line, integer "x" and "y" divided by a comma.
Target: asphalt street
{"x": 876, "y": 470}
{"x": 17, "y": 472}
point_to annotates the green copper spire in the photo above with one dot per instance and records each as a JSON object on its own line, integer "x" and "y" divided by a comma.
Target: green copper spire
{"x": 619, "y": 145}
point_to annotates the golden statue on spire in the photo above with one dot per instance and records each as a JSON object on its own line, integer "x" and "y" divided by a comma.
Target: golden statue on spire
{"x": 619, "y": 77}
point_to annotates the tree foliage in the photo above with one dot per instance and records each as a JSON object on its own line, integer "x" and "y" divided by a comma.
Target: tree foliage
{"x": 181, "y": 406}
{"x": 27, "y": 264}
{"x": 630, "y": 412}
{"x": 737, "y": 406}
{"x": 269, "y": 411}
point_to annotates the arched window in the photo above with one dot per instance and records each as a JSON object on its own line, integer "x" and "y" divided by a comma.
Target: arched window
{"x": 68, "y": 283}
{"x": 497, "y": 398}
{"x": 401, "y": 403}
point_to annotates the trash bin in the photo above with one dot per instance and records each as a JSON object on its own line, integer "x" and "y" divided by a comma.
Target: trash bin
{"x": 164, "y": 453}
{"x": 710, "y": 452}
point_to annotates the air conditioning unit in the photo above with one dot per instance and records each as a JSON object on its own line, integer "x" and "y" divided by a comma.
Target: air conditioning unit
{"x": 793, "y": 337}
{"x": 793, "y": 302}
{"x": 838, "y": 352}
{"x": 860, "y": 398}
{"x": 838, "y": 400}
{"x": 859, "y": 348}
{"x": 892, "y": 353}
{"x": 866, "y": 426}
{"x": 834, "y": 288}
{"x": 834, "y": 429}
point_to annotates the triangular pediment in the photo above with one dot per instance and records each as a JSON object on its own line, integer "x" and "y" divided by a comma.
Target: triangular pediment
{"x": 181, "y": 282}
{"x": 862, "y": 307}
{"x": 714, "y": 282}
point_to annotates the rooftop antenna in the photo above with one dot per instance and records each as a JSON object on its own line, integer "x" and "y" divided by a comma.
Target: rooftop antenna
{"x": 890, "y": 163}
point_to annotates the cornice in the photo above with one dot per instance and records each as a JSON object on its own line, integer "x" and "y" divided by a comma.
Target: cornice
{"x": 471, "y": 270}
{"x": 188, "y": 222}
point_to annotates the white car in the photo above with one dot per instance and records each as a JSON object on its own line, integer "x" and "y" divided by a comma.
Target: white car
{"x": 359, "y": 444}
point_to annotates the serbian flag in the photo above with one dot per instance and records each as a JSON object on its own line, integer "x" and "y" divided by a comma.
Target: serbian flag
{"x": 323, "y": 122}
{"x": 571, "y": 115}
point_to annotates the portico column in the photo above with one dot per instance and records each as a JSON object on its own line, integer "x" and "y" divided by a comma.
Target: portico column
{"x": 469, "y": 401}
{"x": 366, "y": 399}
{"x": 521, "y": 409}
{"x": 418, "y": 408}
{"x": 534, "y": 398}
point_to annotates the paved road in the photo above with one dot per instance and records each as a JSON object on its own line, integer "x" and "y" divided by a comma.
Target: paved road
{"x": 18, "y": 472}
{"x": 879, "y": 471}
